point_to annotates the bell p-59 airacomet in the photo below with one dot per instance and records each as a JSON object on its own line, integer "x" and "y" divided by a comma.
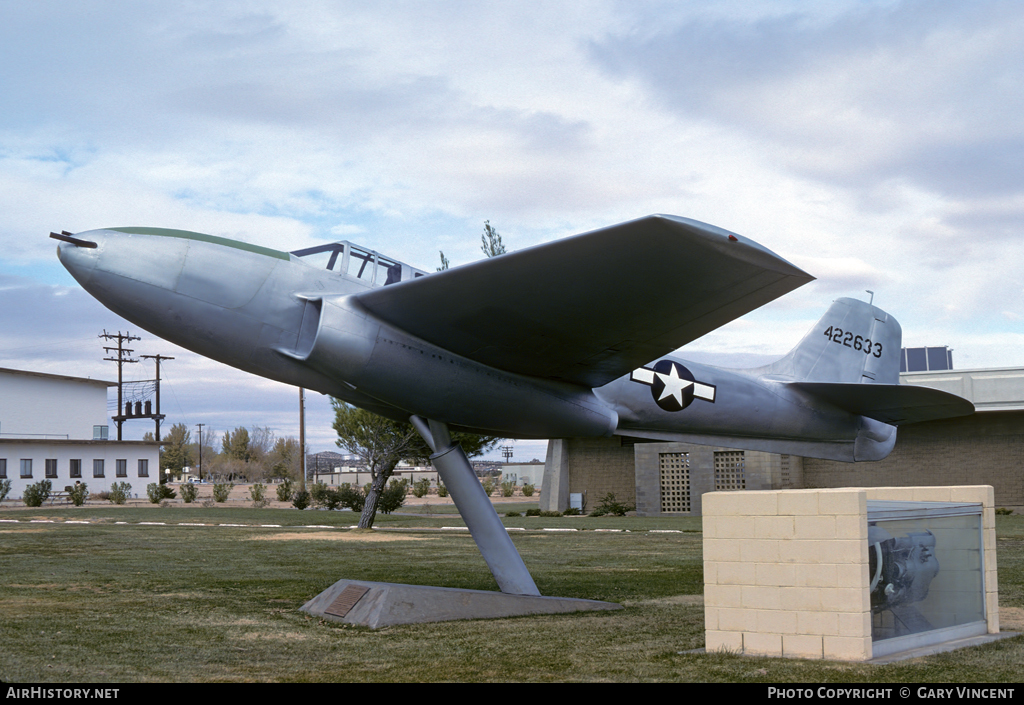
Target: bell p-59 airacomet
{"x": 575, "y": 337}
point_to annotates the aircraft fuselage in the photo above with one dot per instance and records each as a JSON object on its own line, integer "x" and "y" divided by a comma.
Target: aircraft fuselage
{"x": 270, "y": 313}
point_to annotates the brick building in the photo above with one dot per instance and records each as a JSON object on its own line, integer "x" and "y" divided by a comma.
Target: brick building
{"x": 984, "y": 449}
{"x": 669, "y": 478}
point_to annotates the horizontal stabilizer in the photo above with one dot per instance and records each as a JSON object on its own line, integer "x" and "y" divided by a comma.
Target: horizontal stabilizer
{"x": 889, "y": 403}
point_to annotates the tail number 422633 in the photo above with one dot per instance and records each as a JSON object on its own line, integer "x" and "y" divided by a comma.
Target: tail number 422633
{"x": 857, "y": 342}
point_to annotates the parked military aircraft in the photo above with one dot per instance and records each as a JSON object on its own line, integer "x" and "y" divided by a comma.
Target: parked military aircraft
{"x": 552, "y": 341}
{"x": 571, "y": 338}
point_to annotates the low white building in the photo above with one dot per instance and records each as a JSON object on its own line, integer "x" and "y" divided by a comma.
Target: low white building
{"x": 55, "y": 427}
{"x": 339, "y": 475}
{"x": 524, "y": 474}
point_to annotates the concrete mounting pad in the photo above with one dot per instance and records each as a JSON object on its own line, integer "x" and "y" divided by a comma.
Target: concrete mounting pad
{"x": 943, "y": 647}
{"x": 376, "y": 605}
{"x": 914, "y": 653}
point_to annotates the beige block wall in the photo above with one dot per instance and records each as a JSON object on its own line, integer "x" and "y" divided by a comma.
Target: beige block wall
{"x": 786, "y": 572}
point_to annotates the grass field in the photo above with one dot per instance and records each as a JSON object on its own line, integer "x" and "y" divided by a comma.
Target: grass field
{"x": 104, "y": 601}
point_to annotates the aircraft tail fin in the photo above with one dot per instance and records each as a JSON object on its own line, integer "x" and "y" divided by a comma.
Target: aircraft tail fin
{"x": 851, "y": 359}
{"x": 853, "y": 343}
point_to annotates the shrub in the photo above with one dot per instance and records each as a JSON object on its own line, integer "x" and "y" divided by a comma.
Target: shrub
{"x": 78, "y": 494}
{"x": 285, "y": 490}
{"x": 300, "y": 499}
{"x": 394, "y": 496}
{"x": 489, "y": 485}
{"x": 528, "y": 489}
{"x": 571, "y": 512}
{"x": 535, "y": 512}
{"x": 1004, "y": 511}
{"x": 344, "y": 496}
{"x": 549, "y": 514}
{"x": 508, "y": 488}
{"x": 158, "y": 492}
{"x": 442, "y": 491}
{"x": 34, "y": 495}
{"x": 609, "y": 505}
{"x": 330, "y": 499}
{"x": 318, "y": 494}
{"x": 513, "y": 514}
{"x": 188, "y": 492}
{"x": 221, "y": 491}
{"x": 119, "y": 492}
{"x": 5, "y": 488}
{"x": 421, "y": 487}
{"x": 351, "y": 497}
{"x": 258, "y": 493}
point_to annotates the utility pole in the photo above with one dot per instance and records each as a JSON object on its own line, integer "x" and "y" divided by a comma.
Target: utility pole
{"x": 200, "y": 425}
{"x": 157, "y": 417}
{"x": 121, "y": 338}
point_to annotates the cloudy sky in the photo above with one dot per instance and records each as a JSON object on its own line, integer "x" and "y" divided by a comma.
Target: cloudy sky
{"x": 878, "y": 145}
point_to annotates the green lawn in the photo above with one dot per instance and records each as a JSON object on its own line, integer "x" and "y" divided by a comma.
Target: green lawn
{"x": 130, "y": 603}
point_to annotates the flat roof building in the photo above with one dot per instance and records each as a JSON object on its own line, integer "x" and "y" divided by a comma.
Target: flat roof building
{"x": 55, "y": 428}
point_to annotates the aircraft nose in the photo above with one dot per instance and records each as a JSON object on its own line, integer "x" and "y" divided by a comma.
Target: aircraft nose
{"x": 77, "y": 254}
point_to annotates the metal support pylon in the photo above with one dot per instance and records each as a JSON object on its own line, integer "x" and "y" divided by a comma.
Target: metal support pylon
{"x": 476, "y": 509}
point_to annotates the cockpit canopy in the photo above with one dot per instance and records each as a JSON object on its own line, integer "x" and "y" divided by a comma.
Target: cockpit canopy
{"x": 359, "y": 263}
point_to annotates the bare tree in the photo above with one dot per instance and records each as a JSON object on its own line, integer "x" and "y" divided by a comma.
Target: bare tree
{"x": 261, "y": 443}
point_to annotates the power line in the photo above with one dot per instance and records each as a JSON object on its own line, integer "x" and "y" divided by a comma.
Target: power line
{"x": 157, "y": 417}
{"x": 121, "y": 360}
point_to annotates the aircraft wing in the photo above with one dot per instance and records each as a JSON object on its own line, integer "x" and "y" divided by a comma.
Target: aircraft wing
{"x": 890, "y": 403}
{"x": 590, "y": 308}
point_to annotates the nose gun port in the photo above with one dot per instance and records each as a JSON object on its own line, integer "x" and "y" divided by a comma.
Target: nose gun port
{"x": 65, "y": 236}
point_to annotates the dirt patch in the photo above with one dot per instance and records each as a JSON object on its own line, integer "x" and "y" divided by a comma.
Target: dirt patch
{"x": 40, "y": 586}
{"x": 612, "y": 569}
{"x": 337, "y": 536}
{"x": 1011, "y": 619}
{"x": 672, "y": 600}
{"x": 263, "y": 636}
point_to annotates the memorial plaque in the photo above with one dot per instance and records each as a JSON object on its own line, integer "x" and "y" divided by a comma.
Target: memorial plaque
{"x": 348, "y": 598}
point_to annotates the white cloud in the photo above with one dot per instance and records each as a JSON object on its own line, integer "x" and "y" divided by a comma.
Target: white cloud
{"x": 875, "y": 144}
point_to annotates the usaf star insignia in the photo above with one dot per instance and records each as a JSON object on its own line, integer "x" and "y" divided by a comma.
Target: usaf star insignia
{"x": 672, "y": 385}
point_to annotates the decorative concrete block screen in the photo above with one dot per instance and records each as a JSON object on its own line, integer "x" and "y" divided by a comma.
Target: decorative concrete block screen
{"x": 786, "y": 572}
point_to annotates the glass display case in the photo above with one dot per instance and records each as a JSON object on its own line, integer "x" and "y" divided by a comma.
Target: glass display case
{"x": 926, "y": 573}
